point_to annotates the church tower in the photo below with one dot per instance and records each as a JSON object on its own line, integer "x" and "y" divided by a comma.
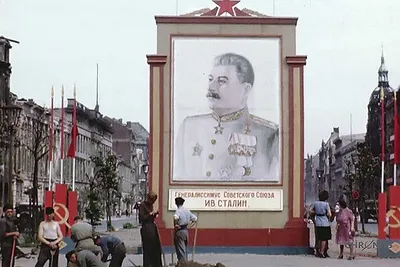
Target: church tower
{"x": 373, "y": 136}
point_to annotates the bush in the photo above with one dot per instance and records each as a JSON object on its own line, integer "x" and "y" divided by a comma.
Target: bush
{"x": 129, "y": 226}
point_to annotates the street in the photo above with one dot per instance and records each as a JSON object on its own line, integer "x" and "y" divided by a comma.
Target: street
{"x": 117, "y": 222}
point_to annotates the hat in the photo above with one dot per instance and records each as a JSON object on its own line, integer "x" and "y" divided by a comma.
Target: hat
{"x": 179, "y": 201}
{"x": 49, "y": 210}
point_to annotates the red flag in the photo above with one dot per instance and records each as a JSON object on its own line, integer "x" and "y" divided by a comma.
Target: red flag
{"x": 74, "y": 133}
{"x": 396, "y": 132}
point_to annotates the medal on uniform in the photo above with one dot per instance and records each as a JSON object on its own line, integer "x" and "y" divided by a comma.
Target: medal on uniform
{"x": 197, "y": 149}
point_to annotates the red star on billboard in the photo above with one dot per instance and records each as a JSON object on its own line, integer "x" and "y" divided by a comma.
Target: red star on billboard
{"x": 226, "y": 6}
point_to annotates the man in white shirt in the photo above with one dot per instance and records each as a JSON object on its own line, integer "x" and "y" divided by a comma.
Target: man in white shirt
{"x": 49, "y": 235}
{"x": 183, "y": 219}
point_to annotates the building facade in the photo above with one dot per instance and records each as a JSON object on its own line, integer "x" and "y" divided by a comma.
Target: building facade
{"x": 327, "y": 168}
{"x": 94, "y": 137}
{"x": 130, "y": 143}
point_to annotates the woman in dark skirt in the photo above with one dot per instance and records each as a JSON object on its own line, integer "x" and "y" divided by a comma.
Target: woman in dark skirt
{"x": 322, "y": 212}
{"x": 150, "y": 239}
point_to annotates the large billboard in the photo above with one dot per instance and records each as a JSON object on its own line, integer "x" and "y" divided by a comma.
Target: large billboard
{"x": 226, "y": 109}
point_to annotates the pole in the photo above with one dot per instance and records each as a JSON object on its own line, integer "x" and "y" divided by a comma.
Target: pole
{"x": 73, "y": 174}
{"x": 10, "y": 165}
{"x": 74, "y": 132}
{"x": 62, "y": 137}
{"x": 382, "y": 139}
{"x": 51, "y": 149}
{"x": 395, "y": 139}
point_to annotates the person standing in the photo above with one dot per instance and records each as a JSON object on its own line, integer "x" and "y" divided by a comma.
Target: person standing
{"x": 8, "y": 237}
{"x": 82, "y": 235}
{"x": 149, "y": 232}
{"x": 183, "y": 217}
{"x": 345, "y": 229}
{"x": 49, "y": 235}
{"x": 322, "y": 214}
{"x": 111, "y": 245}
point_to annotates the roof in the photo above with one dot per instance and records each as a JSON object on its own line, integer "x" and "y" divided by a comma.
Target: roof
{"x": 139, "y": 131}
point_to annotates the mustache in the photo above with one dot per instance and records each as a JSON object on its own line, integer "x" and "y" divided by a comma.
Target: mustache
{"x": 213, "y": 95}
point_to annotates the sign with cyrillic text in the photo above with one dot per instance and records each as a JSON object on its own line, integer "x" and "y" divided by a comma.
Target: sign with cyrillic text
{"x": 228, "y": 199}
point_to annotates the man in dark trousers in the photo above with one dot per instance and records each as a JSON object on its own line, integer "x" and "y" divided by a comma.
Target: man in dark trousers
{"x": 111, "y": 245}
{"x": 49, "y": 235}
{"x": 8, "y": 237}
{"x": 183, "y": 219}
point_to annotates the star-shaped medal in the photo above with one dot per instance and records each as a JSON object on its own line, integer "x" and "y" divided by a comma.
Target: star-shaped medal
{"x": 197, "y": 149}
{"x": 218, "y": 129}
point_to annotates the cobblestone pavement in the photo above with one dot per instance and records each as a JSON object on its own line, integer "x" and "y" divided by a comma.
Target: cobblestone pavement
{"x": 235, "y": 260}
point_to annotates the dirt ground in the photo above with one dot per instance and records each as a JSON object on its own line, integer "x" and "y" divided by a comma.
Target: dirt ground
{"x": 196, "y": 264}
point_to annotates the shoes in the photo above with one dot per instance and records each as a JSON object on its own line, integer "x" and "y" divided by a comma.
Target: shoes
{"x": 340, "y": 257}
{"x": 326, "y": 255}
{"x": 351, "y": 258}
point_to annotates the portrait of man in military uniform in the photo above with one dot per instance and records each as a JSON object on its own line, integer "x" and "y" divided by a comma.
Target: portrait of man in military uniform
{"x": 228, "y": 144}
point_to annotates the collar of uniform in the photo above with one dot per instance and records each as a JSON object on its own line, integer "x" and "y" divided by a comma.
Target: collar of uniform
{"x": 231, "y": 116}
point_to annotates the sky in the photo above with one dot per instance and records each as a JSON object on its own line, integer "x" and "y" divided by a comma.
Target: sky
{"x": 61, "y": 42}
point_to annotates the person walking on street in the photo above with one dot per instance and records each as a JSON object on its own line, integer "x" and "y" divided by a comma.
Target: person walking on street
{"x": 111, "y": 245}
{"x": 83, "y": 258}
{"x": 149, "y": 232}
{"x": 322, "y": 212}
{"x": 345, "y": 229}
{"x": 49, "y": 235}
{"x": 8, "y": 237}
{"x": 183, "y": 219}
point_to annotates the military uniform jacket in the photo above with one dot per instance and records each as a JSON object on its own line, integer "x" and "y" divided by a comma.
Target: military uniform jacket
{"x": 235, "y": 147}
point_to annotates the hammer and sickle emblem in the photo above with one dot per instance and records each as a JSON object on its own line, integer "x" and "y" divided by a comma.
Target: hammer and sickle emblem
{"x": 63, "y": 219}
{"x": 392, "y": 214}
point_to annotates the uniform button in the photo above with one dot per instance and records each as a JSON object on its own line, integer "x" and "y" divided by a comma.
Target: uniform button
{"x": 211, "y": 156}
{"x": 208, "y": 173}
{"x": 213, "y": 141}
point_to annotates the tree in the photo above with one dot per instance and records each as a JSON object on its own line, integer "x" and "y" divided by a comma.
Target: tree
{"x": 362, "y": 174}
{"x": 35, "y": 138}
{"x": 94, "y": 210}
{"x": 106, "y": 180}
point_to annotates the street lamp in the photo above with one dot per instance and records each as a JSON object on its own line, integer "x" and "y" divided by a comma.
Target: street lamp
{"x": 145, "y": 170}
{"x": 10, "y": 117}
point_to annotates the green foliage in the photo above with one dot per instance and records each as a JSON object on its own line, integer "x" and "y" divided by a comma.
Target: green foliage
{"x": 106, "y": 181}
{"x": 94, "y": 210}
{"x": 129, "y": 226}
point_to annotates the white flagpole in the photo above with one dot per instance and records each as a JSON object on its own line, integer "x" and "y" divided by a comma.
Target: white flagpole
{"x": 73, "y": 174}
{"x": 395, "y": 174}
{"x": 382, "y": 176}
{"x": 75, "y": 124}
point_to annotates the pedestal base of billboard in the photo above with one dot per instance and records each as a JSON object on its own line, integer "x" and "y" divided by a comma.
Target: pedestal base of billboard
{"x": 388, "y": 248}
{"x": 285, "y": 241}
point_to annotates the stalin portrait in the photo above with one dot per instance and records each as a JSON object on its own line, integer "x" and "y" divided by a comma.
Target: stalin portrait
{"x": 228, "y": 144}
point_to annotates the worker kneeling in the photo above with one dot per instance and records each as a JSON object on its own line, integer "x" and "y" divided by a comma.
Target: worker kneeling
{"x": 182, "y": 218}
{"x": 111, "y": 245}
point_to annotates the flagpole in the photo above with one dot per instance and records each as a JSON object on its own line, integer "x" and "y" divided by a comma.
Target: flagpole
{"x": 62, "y": 137}
{"x": 382, "y": 138}
{"x": 74, "y": 138}
{"x": 395, "y": 140}
{"x": 51, "y": 149}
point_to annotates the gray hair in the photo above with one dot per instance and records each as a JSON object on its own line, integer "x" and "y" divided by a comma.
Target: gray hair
{"x": 244, "y": 69}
